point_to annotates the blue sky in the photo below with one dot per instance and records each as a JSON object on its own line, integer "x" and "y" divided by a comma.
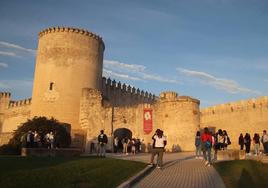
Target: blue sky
{"x": 213, "y": 50}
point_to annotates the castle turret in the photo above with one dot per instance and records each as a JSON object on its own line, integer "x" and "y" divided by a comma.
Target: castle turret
{"x": 179, "y": 117}
{"x": 4, "y": 102}
{"x": 68, "y": 59}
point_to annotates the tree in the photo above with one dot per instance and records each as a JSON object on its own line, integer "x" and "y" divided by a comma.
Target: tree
{"x": 43, "y": 126}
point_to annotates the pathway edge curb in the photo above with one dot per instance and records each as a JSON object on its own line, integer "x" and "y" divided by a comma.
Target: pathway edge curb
{"x": 134, "y": 179}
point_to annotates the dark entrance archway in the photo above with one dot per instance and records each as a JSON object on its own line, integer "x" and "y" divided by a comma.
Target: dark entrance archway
{"x": 121, "y": 133}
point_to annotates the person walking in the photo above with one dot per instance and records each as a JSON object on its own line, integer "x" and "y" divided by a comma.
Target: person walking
{"x": 198, "y": 145}
{"x": 116, "y": 142}
{"x": 241, "y": 141}
{"x": 256, "y": 142}
{"x": 159, "y": 143}
{"x": 264, "y": 140}
{"x": 247, "y": 141}
{"x": 36, "y": 139}
{"x": 102, "y": 141}
{"x": 206, "y": 139}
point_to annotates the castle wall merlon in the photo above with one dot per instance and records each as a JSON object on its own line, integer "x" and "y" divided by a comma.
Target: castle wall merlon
{"x": 71, "y": 30}
{"x": 20, "y": 103}
{"x": 5, "y": 94}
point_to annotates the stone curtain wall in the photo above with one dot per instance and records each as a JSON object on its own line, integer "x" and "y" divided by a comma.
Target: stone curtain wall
{"x": 120, "y": 94}
{"x": 178, "y": 117}
{"x": 4, "y": 138}
{"x": 18, "y": 112}
{"x": 238, "y": 117}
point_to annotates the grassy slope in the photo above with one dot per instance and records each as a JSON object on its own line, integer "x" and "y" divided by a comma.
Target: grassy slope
{"x": 65, "y": 172}
{"x": 245, "y": 173}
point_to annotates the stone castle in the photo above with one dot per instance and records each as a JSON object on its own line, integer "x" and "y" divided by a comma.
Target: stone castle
{"x": 68, "y": 85}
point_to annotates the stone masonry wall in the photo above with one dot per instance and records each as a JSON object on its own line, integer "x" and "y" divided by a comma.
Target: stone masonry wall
{"x": 18, "y": 112}
{"x": 246, "y": 116}
{"x": 178, "y": 117}
{"x": 4, "y": 138}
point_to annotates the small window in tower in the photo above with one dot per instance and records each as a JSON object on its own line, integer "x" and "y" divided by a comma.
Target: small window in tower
{"x": 51, "y": 85}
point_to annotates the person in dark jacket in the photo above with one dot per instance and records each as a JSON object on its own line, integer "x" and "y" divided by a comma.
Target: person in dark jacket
{"x": 102, "y": 141}
{"x": 247, "y": 142}
{"x": 241, "y": 141}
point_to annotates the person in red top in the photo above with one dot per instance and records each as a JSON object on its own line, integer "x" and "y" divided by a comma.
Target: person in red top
{"x": 206, "y": 139}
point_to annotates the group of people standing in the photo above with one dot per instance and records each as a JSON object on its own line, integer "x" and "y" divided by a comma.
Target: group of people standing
{"x": 129, "y": 145}
{"x": 207, "y": 141}
{"x": 33, "y": 140}
{"x": 256, "y": 140}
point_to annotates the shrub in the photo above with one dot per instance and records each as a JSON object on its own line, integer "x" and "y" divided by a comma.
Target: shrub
{"x": 43, "y": 126}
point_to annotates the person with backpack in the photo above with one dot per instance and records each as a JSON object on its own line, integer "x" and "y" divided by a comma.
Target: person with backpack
{"x": 102, "y": 141}
{"x": 197, "y": 145}
{"x": 220, "y": 140}
{"x": 206, "y": 139}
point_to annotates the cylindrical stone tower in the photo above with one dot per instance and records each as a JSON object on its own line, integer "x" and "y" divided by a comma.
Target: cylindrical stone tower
{"x": 68, "y": 59}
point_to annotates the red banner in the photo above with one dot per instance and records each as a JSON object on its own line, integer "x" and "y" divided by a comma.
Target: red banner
{"x": 147, "y": 120}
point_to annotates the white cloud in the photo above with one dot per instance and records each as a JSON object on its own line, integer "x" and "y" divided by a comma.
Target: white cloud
{"x": 158, "y": 78}
{"x": 227, "y": 85}
{"x": 129, "y": 67}
{"x": 4, "y": 65}
{"x": 17, "y": 47}
{"x": 110, "y": 73}
{"x": 11, "y": 54}
{"x": 132, "y": 72}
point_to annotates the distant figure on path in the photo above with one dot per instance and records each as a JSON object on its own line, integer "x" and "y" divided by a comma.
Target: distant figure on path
{"x": 125, "y": 143}
{"x": 116, "y": 142}
{"x": 241, "y": 141}
{"x": 102, "y": 140}
{"x": 256, "y": 142}
{"x": 36, "y": 139}
{"x": 264, "y": 140}
{"x": 29, "y": 139}
{"x": 220, "y": 140}
{"x": 206, "y": 146}
{"x": 247, "y": 141}
{"x": 159, "y": 143}
{"x": 198, "y": 145}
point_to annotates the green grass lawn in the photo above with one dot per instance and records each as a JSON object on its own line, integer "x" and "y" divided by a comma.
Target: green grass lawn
{"x": 65, "y": 172}
{"x": 244, "y": 173}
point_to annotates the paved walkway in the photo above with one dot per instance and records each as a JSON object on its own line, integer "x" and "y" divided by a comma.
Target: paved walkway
{"x": 179, "y": 170}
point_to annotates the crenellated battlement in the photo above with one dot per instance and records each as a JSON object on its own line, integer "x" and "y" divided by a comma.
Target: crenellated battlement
{"x": 19, "y": 103}
{"x": 5, "y": 94}
{"x": 111, "y": 87}
{"x": 70, "y": 30}
{"x": 243, "y": 105}
{"x": 173, "y": 96}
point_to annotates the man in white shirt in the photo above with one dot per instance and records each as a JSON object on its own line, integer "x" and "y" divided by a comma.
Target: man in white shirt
{"x": 159, "y": 143}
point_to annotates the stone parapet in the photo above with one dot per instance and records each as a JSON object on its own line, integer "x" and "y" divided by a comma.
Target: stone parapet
{"x": 71, "y": 30}
{"x": 20, "y": 103}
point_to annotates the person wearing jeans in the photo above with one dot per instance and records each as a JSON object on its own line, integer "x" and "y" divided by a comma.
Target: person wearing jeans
{"x": 206, "y": 139}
